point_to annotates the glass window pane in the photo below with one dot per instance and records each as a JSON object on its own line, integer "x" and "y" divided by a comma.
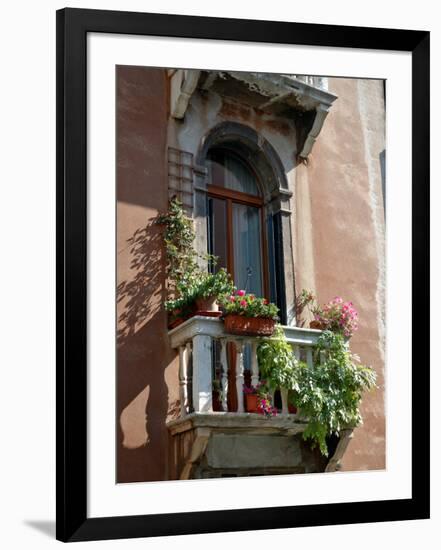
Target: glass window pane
{"x": 230, "y": 171}
{"x": 217, "y": 230}
{"x": 247, "y": 249}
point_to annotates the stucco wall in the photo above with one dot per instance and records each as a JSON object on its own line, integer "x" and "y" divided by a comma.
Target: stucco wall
{"x": 146, "y": 369}
{"x": 339, "y": 236}
{"x": 337, "y": 245}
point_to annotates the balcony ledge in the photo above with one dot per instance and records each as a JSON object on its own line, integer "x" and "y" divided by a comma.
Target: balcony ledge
{"x": 286, "y": 424}
{"x": 213, "y": 327}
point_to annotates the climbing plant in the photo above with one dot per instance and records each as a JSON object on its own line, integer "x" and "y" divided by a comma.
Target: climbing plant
{"x": 181, "y": 257}
{"x": 186, "y": 280}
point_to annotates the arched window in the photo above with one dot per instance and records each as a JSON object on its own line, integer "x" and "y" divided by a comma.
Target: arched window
{"x": 242, "y": 198}
{"x": 236, "y": 220}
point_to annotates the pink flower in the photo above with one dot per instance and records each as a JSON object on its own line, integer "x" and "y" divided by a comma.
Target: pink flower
{"x": 243, "y": 303}
{"x": 241, "y": 292}
{"x": 231, "y": 298}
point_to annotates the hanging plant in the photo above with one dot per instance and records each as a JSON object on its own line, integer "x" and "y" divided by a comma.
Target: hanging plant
{"x": 329, "y": 394}
{"x": 277, "y": 363}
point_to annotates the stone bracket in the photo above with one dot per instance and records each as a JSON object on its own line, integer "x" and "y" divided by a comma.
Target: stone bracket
{"x": 345, "y": 438}
{"x": 196, "y": 453}
{"x": 182, "y": 86}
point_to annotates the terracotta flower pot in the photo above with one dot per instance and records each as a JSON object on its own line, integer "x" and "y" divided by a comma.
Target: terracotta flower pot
{"x": 251, "y": 402}
{"x": 207, "y": 304}
{"x": 316, "y": 324}
{"x": 248, "y": 326}
{"x": 175, "y": 323}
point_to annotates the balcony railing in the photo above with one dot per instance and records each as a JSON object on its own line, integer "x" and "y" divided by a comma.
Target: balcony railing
{"x": 194, "y": 339}
{"x": 314, "y": 81}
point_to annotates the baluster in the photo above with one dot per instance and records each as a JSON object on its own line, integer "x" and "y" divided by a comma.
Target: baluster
{"x": 284, "y": 396}
{"x": 254, "y": 365}
{"x": 309, "y": 360}
{"x": 224, "y": 377}
{"x": 296, "y": 351}
{"x": 189, "y": 404}
{"x": 202, "y": 373}
{"x": 183, "y": 379}
{"x": 239, "y": 377}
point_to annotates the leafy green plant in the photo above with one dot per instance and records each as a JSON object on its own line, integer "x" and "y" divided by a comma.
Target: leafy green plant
{"x": 181, "y": 258}
{"x": 329, "y": 394}
{"x": 336, "y": 315}
{"x": 213, "y": 284}
{"x": 277, "y": 363}
{"x": 186, "y": 280}
{"x": 248, "y": 305}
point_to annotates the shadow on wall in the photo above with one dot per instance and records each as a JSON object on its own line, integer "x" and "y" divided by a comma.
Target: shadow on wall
{"x": 143, "y": 353}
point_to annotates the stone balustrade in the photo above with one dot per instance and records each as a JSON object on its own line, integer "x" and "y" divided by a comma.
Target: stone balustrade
{"x": 195, "y": 341}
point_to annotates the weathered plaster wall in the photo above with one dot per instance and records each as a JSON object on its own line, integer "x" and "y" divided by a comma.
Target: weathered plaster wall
{"x": 339, "y": 236}
{"x": 208, "y": 109}
{"x": 146, "y": 369}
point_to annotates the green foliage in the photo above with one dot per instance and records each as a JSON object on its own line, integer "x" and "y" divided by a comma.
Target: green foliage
{"x": 181, "y": 257}
{"x": 213, "y": 284}
{"x": 329, "y": 394}
{"x": 187, "y": 281}
{"x": 277, "y": 363}
{"x": 248, "y": 305}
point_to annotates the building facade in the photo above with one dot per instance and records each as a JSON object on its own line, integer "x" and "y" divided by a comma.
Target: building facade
{"x": 283, "y": 176}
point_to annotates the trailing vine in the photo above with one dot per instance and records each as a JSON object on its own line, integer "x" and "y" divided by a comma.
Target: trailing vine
{"x": 186, "y": 280}
{"x": 181, "y": 257}
{"x": 277, "y": 363}
{"x": 329, "y": 394}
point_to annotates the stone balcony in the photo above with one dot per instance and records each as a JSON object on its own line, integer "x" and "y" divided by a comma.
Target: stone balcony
{"x": 195, "y": 340}
{"x": 207, "y": 443}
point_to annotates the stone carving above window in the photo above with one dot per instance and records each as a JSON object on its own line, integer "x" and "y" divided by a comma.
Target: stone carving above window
{"x": 283, "y": 95}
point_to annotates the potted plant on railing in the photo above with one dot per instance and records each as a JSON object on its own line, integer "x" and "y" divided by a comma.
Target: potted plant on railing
{"x": 337, "y": 315}
{"x": 258, "y": 399}
{"x": 208, "y": 289}
{"x": 247, "y": 315}
{"x": 178, "y": 310}
{"x": 190, "y": 289}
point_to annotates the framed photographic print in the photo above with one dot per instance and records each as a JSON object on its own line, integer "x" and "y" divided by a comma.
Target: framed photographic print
{"x": 242, "y": 274}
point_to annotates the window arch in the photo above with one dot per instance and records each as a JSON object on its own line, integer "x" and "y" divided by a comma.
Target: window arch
{"x": 229, "y": 170}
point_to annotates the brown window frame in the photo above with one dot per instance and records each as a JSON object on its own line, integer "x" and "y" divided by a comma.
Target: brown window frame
{"x": 231, "y": 196}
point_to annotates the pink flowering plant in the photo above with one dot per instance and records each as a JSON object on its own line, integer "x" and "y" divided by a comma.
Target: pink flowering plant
{"x": 264, "y": 404}
{"x": 248, "y": 305}
{"x": 266, "y": 408}
{"x": 338, "y": 316}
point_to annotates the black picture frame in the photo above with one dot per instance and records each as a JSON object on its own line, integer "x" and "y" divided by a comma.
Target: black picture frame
{"x": 71, "y": 428}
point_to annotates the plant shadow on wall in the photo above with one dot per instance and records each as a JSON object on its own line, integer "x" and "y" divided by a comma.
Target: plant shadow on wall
{"x": 143, "y": 354}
